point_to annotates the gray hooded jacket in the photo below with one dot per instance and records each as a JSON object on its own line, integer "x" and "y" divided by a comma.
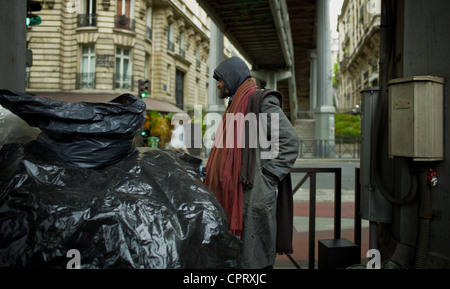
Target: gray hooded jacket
{"x": 260, "y": 202}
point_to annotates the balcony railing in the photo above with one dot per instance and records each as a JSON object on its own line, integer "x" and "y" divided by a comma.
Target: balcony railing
{"x": 170, "y": 46}
{"x": 86, "y": 20}
{"x": 123, "y": 22}
{"x": 182, "y": 53}
{"x": 123, "y": 81}
{"x": 85, "y": 80}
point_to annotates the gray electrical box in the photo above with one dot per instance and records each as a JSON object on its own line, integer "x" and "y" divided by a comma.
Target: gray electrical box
{"x": 416, "y": 118}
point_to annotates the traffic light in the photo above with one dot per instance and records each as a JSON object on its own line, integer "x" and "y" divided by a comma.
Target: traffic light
{"x": 143, "y": 87}
{"x": 33, "y": 19}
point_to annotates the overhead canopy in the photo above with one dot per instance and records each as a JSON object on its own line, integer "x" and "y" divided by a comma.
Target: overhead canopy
{"x": 252, "y": 29}
{"x": 152, "y": 104}
{"x": 256, "y": 29}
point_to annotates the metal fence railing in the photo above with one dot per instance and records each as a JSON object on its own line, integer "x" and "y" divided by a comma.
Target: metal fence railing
{"x": 311, "y": 174}
{"x": 338, "y": 148}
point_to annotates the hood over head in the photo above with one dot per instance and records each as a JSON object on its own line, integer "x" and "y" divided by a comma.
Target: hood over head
{"x": 233, "y": 71}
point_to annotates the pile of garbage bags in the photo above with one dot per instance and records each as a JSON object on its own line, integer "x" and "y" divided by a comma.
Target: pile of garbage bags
{"x": 84, "y": 134}
{"x": 139, "y": 208}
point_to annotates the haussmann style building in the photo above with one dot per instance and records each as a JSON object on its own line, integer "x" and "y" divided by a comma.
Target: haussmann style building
{"x": 358, "y": 56}
{"x": 96, "y": 50}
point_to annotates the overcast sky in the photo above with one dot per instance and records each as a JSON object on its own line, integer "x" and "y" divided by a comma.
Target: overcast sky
{"x": 335, "y": 10}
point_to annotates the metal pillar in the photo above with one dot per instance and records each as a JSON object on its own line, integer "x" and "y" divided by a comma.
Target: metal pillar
{"x": 13, "y": 44}
{"x": 324, "y": 111}
{"x": 271, "y": 77}
{"x": 313, "y": 80}
{"x": 216, "y": 106}
{"x": 216, "y": 56}
{"x": 281, "y": 18}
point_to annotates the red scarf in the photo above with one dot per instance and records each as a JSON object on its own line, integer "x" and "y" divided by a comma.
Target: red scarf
{"x": 223, "y": 169}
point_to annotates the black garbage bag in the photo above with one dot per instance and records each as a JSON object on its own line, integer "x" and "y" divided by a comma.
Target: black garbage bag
{"x": 84, "y": 134}
{"x": 148, "y": 210}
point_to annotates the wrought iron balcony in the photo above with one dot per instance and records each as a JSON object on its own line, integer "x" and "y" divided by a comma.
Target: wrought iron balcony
{"x": 170, "y": 46}
{"x": 85, "y": 80}
{"x": 86, "y": 20}
{"x": 123, "y": 22}
{"x": 182, "y": 53}
{"x": 123, "y": 81}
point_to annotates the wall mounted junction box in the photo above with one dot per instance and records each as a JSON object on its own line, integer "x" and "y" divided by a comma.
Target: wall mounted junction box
{"x": 416, "y": 118}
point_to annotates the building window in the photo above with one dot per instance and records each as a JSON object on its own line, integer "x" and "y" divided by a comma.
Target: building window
{"x": 169, "y": 78}
{"x": 86, "y": 77}
{"x": 375, "y": 65}
{"x": 147, "y": 66}
{"x": 88, "y": 16}
{"x": 181, "y": 45}
{"x": 170, "y": 45}
{"x": 196, "y": 90}
{"x": 124, "y": 18}
{"x": 197, "y": 56}
{"x": 148, "y": 23}
{"x": 122, "y": 76}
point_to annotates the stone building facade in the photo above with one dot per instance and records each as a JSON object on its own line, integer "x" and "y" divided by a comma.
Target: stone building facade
{"x": 96, "y": 48}
{"x": 358, "y": 56}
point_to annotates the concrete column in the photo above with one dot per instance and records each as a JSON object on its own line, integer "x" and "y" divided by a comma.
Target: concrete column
{"x": 216, "y": 56}
{"x": 313, "y": 81}
{"x": 272, "y": 80}
{"x": 324, "y": 111}
{"x": 293, "y": 98}
{"x": 215, "y": 106}
{"x": 13, "y": 44}
{"x": 271, "y": 77}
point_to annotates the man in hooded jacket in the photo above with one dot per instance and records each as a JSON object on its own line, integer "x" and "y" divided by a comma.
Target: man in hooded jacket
{"x": 244, "y": 177}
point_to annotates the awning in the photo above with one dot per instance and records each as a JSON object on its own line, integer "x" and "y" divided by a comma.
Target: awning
{"x": 160, "y": 105}
{"x": 152, "y": 104}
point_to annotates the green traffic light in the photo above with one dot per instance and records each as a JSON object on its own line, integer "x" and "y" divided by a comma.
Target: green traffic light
{"x": 33, "y": 20}
{"x": 144, "y": 94}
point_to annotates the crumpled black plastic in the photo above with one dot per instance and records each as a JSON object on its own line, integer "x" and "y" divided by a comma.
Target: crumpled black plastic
{"x": 90, "y": 135}
{"x": 83, "y": 185}
{"x": 148, "y": 210}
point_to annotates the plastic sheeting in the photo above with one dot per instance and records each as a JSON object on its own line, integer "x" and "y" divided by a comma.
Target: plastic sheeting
{"x": 83, "y": 187}
{"x": 15, "y": 129}
{"x": 85, "y": 134}
{"x": 149, "y": 210}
